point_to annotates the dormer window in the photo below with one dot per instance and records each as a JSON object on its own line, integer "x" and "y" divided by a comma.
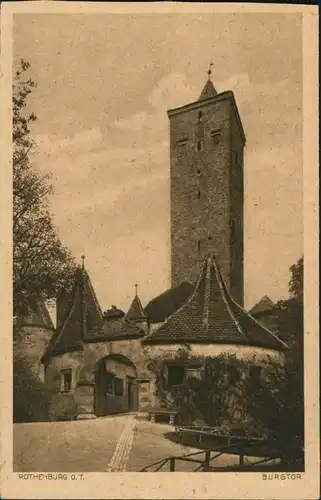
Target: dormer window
{"x": 200, "y": 116}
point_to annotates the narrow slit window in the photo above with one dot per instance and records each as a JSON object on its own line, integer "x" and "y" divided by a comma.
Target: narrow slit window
{"x": 199, "y": 246}
{"x": 66, "y": 380}
{"x": 199, "y": 145}
{"x": 200, "y": 116}
{"x": 198, "y": 194}
{"x": 255, "y": 375}
{"x": 215, "y": 135}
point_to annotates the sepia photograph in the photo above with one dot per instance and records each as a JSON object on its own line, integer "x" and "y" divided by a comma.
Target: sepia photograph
{"x": 158, "y": 244}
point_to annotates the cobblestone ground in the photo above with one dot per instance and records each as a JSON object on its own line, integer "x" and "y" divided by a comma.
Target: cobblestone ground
{"x": 116, "y": 443}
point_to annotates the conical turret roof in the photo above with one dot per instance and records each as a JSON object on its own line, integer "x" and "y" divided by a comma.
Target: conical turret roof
{"x": 265, "y": 304}
{"x": 37, "y": 315}
{"x": 208, "y": 91}
{"x": 136, "y": 311}
{"x": 211, "y": 316}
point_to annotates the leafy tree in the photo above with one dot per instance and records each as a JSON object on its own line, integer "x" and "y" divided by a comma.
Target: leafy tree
{"x": 290, "y": 312}
{"x": 296, "y": 281}
{"x": 42, "y": 266}
{"x": 278, "y": 403}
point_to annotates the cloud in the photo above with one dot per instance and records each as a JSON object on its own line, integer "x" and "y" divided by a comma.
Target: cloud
{"x": 172, "y": 91}
{"x": 136, "y": 121}
{"x": 82, "y": 141}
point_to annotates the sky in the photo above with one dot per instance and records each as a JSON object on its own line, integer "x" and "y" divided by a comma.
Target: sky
{"x": 105, "y": 83}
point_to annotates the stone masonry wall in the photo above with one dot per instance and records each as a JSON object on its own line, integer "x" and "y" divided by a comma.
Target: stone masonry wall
{"x": 237, "y": 213}
{"x": 200, "y": 187}
{"x": 31, "y": 343}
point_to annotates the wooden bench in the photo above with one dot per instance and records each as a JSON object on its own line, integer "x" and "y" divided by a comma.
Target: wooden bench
{"x": 156, "y": 412}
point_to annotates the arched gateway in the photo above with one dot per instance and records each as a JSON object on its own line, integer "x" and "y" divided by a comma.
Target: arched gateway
{"x": 115, "y": 385}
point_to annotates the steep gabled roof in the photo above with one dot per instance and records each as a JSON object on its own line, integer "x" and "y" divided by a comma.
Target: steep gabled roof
{"x": 211, "y": 316}
{"x": 36, "y": 316}
{"x": 83, "y": 316}
{"x": 264, "y": 305}
{"x": 164, "y": 305}
{"x": 84, "y": 321}
{"x": 136, "y": 311}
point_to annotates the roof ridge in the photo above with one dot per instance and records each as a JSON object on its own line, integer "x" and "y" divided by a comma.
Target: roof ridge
{"x": 93, "y": 293}
{"x": 225, "y": 294}
{"x": 168, "y": 291}
{"x": 259, "y": 324}
{"x": 191, "y": 297}
{"x": 60, "y": 330}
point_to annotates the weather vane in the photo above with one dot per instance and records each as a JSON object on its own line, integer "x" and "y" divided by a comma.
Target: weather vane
{"x": 210, "y": 71}
{"x": 136, "y": 289}
{"x": 83, "y": 261}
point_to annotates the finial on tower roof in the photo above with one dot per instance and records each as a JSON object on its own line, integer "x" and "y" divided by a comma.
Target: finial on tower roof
{"x": 83, "y": 262}
{"x": 209, "y": 70}
{"x": 136, "y": 286}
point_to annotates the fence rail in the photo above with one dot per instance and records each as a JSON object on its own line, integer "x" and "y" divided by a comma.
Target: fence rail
{"x": 206, "y": 463}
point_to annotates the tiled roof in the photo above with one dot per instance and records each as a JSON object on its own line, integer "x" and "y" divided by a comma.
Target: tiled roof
{"x": 75, "y": 331}
{"x": 161, "y": 307}
{"x": 136, "y": 311}
{"x": 114, "y": 312}
{"x": 264, "y": 305}
{"x": 36, "y": 316}
{"x": 83, "y": 316}
{"x": 208, "y": 91}
{"x": 211, "y": 316}
{"x": 120, "y": 328}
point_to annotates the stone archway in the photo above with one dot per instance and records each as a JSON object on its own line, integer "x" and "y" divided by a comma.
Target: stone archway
{"x": 115, "y": 385}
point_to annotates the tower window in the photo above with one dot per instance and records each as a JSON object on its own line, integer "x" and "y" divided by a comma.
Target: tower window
{"x": 199, "y": 246}
{"x": 198, "y": 172}
{"x": 215, "y": 135}
{"x": 66, "y": 380}
{"x": 181, "y": 145}
{"x": 198, "y": 193}
{"x": 255, "y": 375}
{"x": 199, "y": 145}
{"x": 233, "y": 375}
{"x": 200, "y": 116}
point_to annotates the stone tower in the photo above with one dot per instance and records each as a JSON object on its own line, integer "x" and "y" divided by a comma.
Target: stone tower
{"x": 206, "y": 171}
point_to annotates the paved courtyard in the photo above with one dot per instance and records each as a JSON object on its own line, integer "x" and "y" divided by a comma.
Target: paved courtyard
{"x": 115, "y": 443}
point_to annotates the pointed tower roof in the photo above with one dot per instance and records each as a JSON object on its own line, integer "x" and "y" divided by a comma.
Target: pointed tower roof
{"x": 136, "y": 311}
{"x": 212, "y": 316}
{"x": 262, "y": 306}
{"x": 84, "y": 316}
{"x": 209, "y": 89}
{"x": 36, "y": 316}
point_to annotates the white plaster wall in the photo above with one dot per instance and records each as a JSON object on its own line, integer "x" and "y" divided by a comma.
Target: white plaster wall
{"x": 244, "y": 353}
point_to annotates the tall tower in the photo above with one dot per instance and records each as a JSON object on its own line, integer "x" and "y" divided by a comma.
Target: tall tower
{"x": 206, "y": 150}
